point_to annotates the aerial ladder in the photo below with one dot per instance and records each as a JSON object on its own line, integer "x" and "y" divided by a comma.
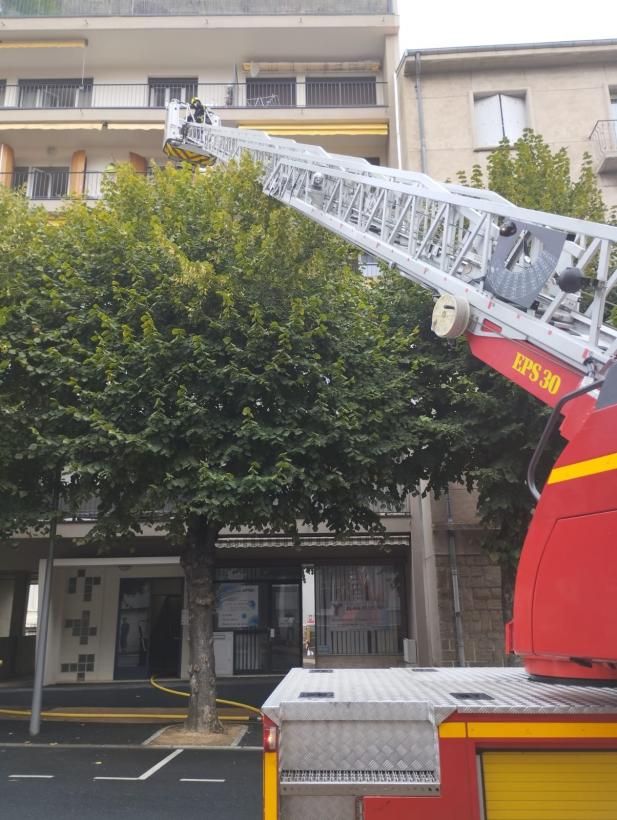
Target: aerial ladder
{"x": 529, "y": 290}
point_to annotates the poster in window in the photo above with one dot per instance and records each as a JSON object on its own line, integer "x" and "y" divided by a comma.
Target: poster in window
{"x": 237, "y": 606}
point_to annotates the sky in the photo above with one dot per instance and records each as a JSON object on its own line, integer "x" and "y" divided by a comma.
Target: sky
{"x": 443, "y": 23}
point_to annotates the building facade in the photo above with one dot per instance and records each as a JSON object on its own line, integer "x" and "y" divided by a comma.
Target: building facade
{"x": 456, "y": 104}
{"x": 83, "y": 86}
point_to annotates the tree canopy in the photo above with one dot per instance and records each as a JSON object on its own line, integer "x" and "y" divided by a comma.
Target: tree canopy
{"x": 196, "y": 356}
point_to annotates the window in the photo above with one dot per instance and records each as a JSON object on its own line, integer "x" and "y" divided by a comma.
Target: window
{"x": 7, "y": 588}
{"x": 498, "y": 116}
{"x": 20, "y": 177}
{"x": 32, "y": 608}
{"x": 358, "y": 610}
{"x": 164, "y": 89}
{"x": 275, "y": 92}
{"x": 55, "y": 93}
{"x": 2, "y": 93}
{"x": 347, "y": 91}
{"x": 614, "y": 120}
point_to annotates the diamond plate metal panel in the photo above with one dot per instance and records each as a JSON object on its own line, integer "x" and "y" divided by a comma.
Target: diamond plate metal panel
{"x": 389, "y": 710}
{"x": 378, "y": 690}
{"x": 359, "y": 744}
{"x": 318, "y": 808}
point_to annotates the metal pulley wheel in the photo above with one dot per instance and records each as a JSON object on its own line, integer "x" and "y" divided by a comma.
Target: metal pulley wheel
{"x": 450, "y": 316}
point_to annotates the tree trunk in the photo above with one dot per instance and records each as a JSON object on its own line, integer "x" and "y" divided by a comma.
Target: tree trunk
{"x": 198, "y": 560}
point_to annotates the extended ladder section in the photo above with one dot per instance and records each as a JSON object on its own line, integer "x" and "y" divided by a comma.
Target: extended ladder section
{"x": 521, "y": 274}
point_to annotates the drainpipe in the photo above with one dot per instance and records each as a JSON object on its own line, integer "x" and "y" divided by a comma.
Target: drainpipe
{"x": 458, "y": 622}
{"x": 423, "y": 160}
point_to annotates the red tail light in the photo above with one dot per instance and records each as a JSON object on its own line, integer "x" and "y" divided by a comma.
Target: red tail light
{"x": 271, "y": 735}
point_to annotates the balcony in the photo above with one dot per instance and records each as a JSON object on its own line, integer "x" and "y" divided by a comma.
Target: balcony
{"x": 50, "y": 185}
{"x": 254, "y": 94}
{"x": 604, "y": 136}
{"x": 88, "y": 511}
{"x": 161, "y": 8}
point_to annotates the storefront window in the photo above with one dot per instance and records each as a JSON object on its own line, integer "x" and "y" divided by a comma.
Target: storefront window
{"x": 32, "y": 609}
{"x": 358, "y": 610}
{"x": 237, "y": 606}
{"x": 6, "y": 605}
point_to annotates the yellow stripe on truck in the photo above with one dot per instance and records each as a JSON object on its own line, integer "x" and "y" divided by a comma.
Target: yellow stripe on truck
{"x": 270, "y": 783}
{"x": 580, "y": 469}
{"x": 539, "y": 729}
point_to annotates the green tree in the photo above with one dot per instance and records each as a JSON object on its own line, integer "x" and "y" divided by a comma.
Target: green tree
{"x": 529, "y": 174}
{"x": 503, "y": 423}
{"x": 207, "y": 360}
{"x": 494, "y": 424}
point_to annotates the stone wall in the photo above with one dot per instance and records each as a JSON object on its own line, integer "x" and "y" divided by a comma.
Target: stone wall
{"x": 480, "y": 596}
{"x": 358, "y": 661}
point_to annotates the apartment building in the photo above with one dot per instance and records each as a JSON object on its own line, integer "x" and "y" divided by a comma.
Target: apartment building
{"x": 84, "y": 84}
{"x": 456, "y": 104}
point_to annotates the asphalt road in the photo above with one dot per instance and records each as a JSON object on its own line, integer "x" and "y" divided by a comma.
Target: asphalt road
{"x": 99, "y": 784}
{"x": 98, "y": 734}
{"x": 253, "y": 691}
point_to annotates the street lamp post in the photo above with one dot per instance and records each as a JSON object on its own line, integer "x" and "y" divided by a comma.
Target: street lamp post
{"x": 41, "y": 644}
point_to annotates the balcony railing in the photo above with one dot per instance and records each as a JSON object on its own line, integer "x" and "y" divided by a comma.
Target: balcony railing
{"x": 604, "y": 135}
{"x": 53, "y": 184}
{"x": 167, "y": 8}
{"x": 326, "y": 93}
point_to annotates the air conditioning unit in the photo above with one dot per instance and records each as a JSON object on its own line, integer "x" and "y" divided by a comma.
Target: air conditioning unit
{"x": 410, "y": 651}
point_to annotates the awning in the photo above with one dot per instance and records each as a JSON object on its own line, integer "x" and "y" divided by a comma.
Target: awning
{"x": 81, "y": 126}
{"x": 319, "y": 129}
{"x": 277, "y": 541}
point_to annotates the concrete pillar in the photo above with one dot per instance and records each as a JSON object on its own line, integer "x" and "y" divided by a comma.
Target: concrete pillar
{"x": 389, "y": 66}
{"x": 424, "y": 574}
{"x": 7, "y": 164}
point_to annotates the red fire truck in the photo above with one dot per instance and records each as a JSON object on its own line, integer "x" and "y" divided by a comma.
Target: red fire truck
{"x": 528, "y": 290}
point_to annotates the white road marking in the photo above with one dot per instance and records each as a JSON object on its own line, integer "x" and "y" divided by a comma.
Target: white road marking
{"x": 198, "y": 780}
{"x": 150, "y": 771}
{"x": 160, "y": 764}
{"x": 32, "y": 776}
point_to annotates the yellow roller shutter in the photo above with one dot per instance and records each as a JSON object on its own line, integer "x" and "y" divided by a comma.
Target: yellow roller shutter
{"x": 550, "y": 785}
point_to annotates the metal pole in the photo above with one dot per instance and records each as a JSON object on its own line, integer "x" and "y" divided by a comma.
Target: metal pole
{"x": 41, "y": 644}
{"x": 458, "y": 615}
{"x": 421, "y": 128}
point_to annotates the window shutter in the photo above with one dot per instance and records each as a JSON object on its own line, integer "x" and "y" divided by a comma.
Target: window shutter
{"x": 489, "y": 130}
{"x": 513, "y": 112}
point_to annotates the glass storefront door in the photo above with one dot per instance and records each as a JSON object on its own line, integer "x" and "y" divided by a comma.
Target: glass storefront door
{"x": 285, "y": 649}
{"x": 261, "y": 607}
{"x": 149, "y": 632}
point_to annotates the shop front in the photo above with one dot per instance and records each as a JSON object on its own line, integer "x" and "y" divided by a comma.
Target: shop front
{"x": 113, "y": 620}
